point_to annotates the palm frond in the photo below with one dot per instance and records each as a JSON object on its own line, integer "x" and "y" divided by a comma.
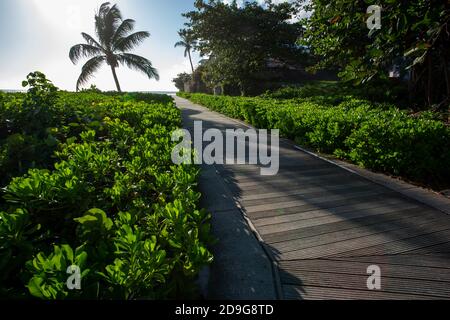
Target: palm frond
{"x": 107, "y": 21}
{"x": 180, "y": 44}
{"x": 187, "y": 41}
{"x": 129, "y": 42}
{"x": 114, "y": 36}
{"x": 112, "y": 20}
{"x": 183, "y": 44}
{"x": 83, "y": 51}
{"x": 125, "y": 27}
{"x": 89, "y": 68}
{"x": 100, "y": 21}
{"x": 103, "y": 8}
{"x": 138, "y": 63}
{"x": 91, "y": 41}
{"x": 187, "y": 37}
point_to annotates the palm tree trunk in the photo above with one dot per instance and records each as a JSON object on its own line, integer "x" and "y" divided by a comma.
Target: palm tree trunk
{"x": 113, "y": 69}
{"x": 190, "y": 60}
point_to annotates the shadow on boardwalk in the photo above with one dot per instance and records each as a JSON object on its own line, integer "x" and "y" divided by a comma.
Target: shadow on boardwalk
{"x": 321, "y": 226}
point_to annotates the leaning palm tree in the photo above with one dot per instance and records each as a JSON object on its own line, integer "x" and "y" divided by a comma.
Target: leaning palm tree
{"x": 188, "y": 42}
{"x": 115, "y": 40}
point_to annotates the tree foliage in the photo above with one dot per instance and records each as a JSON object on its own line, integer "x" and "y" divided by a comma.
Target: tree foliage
{"x": 414, "y": 36}
{"x": 115, "y": 41}
{"x": 187, "y": 42}
{"x": 239, "y": 40}
{"x": 181, "y": 79}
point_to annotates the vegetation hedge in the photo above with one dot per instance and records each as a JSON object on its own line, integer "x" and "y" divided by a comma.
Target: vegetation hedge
{"x": 376, "y": 136}
{"x": 380, "y": 93}
{"x": 90, "y": 182}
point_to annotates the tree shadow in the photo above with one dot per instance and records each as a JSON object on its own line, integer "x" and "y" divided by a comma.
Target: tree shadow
{"x": 323, "y": 225}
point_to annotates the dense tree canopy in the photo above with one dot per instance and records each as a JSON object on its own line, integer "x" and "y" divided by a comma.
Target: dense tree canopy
{"x": 181, "y": 79}
{"x": 239, "y": 40}
{"x": 414, "y": 36}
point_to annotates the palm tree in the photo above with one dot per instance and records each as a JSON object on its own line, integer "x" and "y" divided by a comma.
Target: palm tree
{"x": 113, "y": 46}
{"x": 188, "y": 42}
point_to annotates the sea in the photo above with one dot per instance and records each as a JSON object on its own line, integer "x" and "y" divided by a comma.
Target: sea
{"x": 170, "y": 93}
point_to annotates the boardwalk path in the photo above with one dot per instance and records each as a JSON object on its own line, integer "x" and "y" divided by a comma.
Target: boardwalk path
{"x": 321, "y": 227}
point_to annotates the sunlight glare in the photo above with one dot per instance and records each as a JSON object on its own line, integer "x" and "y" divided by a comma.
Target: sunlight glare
{"x": 67, "y": 14}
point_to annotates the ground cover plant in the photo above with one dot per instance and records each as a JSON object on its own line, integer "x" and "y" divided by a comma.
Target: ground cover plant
{"x": 88, "y": 183}
{"x": 377, "y": 136}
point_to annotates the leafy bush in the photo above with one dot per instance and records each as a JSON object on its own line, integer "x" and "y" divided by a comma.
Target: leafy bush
{"x": 140, "y": 96}
{"x": 103, "y": 196}
{"x": 376, "y": 136}
{"x": 333, "y": 93}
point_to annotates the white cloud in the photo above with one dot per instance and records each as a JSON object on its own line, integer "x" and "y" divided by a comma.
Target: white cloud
{"x": 59, "y": 26}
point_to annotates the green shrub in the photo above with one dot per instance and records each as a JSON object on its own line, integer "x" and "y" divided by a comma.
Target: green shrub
{"x": 102, "y": 194}
{"x": 396, "y": 143}
{"x": 333, "y": 93}
{"x": 376, "y": 136}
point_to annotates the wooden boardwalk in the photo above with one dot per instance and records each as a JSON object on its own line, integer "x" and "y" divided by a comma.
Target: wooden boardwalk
{"x": 323, "y": 226}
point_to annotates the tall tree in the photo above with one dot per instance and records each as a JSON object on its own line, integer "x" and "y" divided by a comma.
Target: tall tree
{"x": 239, "y": 40}
{"x": 414, "y": 36}
{"x": 114, "y": 43}
{"x": 181, "y": 79}
{"x": 187, "y": 42}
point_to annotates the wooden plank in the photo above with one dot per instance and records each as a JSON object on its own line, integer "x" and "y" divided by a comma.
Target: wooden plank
{"x": 254, "y": 170}
{"x": 333, "y": 237}
{"x": 327, "y": 219}
{"x": 292, "y": 292}
{"x": 439, "y": 248}
{"x": 286, "y": 155}
{"x": 316, "y": 209}
{"x": 386, "y": 243}
{"x": 300, "y": 181}
{"x": 289, "y": 176}
{"x": 326, "y": 194}
{"x": 340, "y": 226}
{"x": 318, "y": 200}
{"x": 374, "y": 200}
{"x": 256, "y": 176}
{"x": 269, "y": 192}
{"x": 293, "y": 267}
{"x": 415, "y": 240}
{"x": 437, "y": 289}
{"x": 322, "y": 177}
{"x": 414, "y": 260}
{"x": 377, "y": 207}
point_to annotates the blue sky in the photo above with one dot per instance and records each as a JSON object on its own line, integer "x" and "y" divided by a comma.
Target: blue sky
{"x": 37, "y": 35}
